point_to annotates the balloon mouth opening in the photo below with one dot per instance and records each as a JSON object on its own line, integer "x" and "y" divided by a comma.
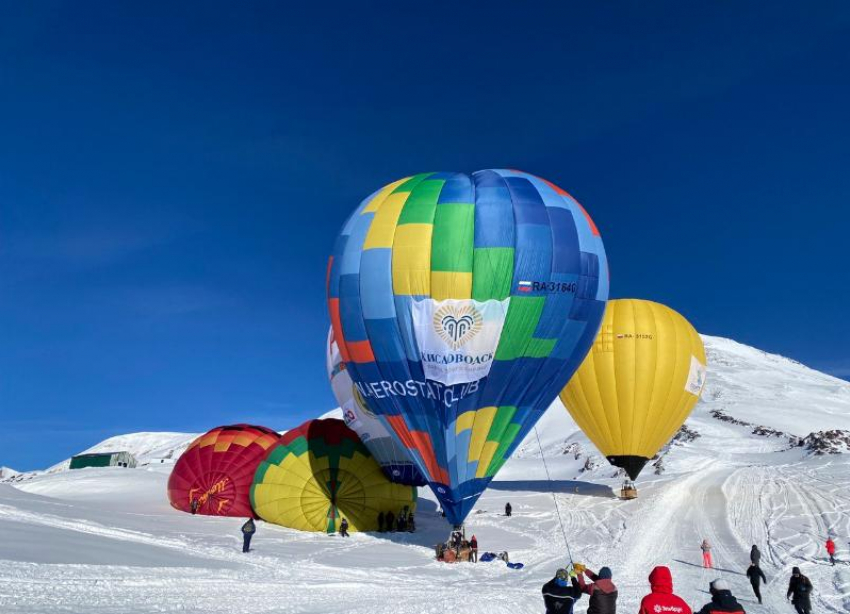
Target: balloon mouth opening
{"x": 632, "y": 465}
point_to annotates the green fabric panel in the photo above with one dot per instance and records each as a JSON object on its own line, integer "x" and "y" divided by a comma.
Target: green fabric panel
{"x": 499, "y": 456}
{"x": 493, "y": 271}
{"x": 500, "y": 422}
{"x": 411, "y": 183}
{"x": 260, "y": 473}
{"x": 520, "y": 323}
{"x": 539, "y": 348}
{"x": 419, "y": 206}
{"x": 451, "y": 243}
{"x": 332, "y": 514}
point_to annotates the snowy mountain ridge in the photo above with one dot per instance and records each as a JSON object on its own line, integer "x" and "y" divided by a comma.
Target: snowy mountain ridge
{"x": 745, "y": 383}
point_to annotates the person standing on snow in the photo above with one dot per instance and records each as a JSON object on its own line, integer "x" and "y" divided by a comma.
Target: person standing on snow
{"x": 561, "y": 593}
{"x": 508, "y": 509}
{"x": 248, "y": 530}
{"x": 662, "y": 598}
{"x": 756, "y": 575}
{"x": 473, "y": 550}
{"x": 706, "y": 554}
{"x": 193, "y": 506}
{"x": 830, "y": 550}
{"x": 755, "y": 555}
{"x": 722, "y": 600}
{"x": 602, "y": 591}
{"x": 343, "y": 528}
{"x": 800, "y": 592}
{"x": 390, "y": 520}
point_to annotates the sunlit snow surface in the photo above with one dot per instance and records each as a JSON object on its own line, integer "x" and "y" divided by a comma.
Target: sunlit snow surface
{"x": 106, "y": 541}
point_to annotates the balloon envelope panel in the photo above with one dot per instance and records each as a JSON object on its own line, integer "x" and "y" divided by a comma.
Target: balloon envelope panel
{"x": 390, "y": 453}
{"x": 217, "y": 468}
{"x": 461, "y": 305}
{"x": 321, "y": 473}
{"x": 639, "y": 382}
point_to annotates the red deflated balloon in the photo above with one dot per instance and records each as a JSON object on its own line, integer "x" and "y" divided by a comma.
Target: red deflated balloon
{"x": 213, "y": 476}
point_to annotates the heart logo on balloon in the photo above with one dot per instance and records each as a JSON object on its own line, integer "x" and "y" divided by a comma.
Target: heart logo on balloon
{"x": 457, "y": 324}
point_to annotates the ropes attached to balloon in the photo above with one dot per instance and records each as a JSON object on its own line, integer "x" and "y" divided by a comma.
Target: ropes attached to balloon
{"x": 554, "y": 498}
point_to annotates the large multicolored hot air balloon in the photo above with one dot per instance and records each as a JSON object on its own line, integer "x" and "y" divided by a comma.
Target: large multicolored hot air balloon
{"x": 461, "y": 306}
{"x": 319, "y": 474}
{"x": 639, "y": 382}
{"x": 214, "y": 474}
{"x": 390, "y": 453}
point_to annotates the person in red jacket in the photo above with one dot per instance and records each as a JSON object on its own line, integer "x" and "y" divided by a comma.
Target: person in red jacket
{"x": 661, "y": 599}
{"x": 830, "y": 549}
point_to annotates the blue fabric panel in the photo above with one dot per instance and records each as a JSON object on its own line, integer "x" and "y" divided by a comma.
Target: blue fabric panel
{"x": 388, "y": 349}
{"x": 565, "y": 257}
{"x": 404, "y": 321}
{"x": 494, "y": 216}
{"x": 533, "y": 255}
{"x": 528, "y": 206}
{"x": 333, "y": 280}
{"x": 353, "y": 248}
{"x": 376, "y": 284}
{"x": 349, "y": 308}
{"x": 457, "y": 189}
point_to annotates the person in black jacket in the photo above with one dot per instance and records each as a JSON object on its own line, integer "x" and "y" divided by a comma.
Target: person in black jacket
{"x": 756, "y": 575}
{"x": 248, "y": 530}
{"x": 343, "y": 528}
{"x": 390, "y": 520}
{"x": 380, "y": 522}
{"x": 722, "y": 600}
{"x": 800, "y": 592}
{"x": 755, "y": 555}
{"x": 561, "y": 593}
{"x": 508, "y": 509}
{"x": 602, "y": 590}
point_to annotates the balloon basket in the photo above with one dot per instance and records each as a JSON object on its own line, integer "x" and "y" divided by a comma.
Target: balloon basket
{"x": 628, "y": 491}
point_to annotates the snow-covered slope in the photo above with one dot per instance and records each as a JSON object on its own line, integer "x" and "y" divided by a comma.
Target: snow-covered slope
{"x": 147, "y": 448}
{"x": 6, "y": 473}
{"x": 105, "y": 540}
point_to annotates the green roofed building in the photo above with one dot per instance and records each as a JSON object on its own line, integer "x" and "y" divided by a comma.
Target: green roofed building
{"x": 103, "y": 459}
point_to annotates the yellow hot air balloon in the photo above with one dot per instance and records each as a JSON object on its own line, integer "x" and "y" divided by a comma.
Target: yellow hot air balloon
{"x": 638, "y": 383}
{"x": 319, "y": 474}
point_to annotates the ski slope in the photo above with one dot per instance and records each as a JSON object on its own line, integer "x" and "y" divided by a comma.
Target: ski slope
{"x": 106, "y": 540}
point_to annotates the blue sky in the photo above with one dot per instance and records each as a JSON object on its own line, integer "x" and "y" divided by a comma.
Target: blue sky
{"x": 173, "y": 175}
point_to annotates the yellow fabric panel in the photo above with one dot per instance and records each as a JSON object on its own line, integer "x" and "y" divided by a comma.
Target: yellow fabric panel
{"x": 487, "y": 453}
{"x": 480, "y": 429}
{"x": 380, "y": 195}
{"x": 295, "y": 493}
{"x": 244, "y": 440}
{"x": 446, "y": 284}
{"x": 222, "y": 445}
{"x": 412, "y": 259}
{"x": 629, "y": 395}
{"x": 208, "y": 439}
{"x": 383, "y": 226}
{"x": 464, "y": 421}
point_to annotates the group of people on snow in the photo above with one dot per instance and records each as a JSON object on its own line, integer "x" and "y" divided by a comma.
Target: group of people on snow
{"x": 562, "y": 592}
{"x": 403, "y": 521}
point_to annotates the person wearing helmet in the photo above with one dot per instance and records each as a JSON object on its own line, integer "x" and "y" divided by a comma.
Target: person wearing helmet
{"x": 561, "y": 593}
{"x": 662, "y": 598}
{"x": 602, "y": 590}
{"x": 722, "y": 600}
